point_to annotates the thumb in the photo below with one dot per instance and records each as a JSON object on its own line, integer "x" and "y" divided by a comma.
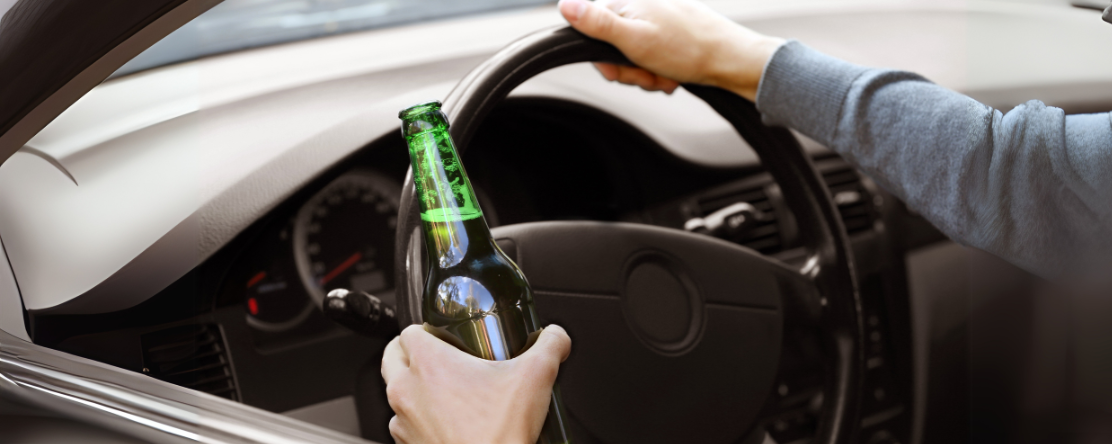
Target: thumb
{"x": 594, "y": 20}
{"x": 553, "y": 344}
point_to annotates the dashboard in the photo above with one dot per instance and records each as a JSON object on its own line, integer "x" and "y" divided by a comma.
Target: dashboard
{"x": 245, "y": 325}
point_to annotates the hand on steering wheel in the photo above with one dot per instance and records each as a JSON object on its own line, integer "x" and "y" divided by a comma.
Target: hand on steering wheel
{"x": 673, "y": 42}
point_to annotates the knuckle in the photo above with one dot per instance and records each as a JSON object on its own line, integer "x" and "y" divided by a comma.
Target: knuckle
{"x": 626, "y": 76}
{"x": 601, "y": 22}
{"x": 408, "y": 333}
{"x": 395, "y": 427}
{"x": 414, "y": 360}
{"x": 393, "y": 390}
{"x": 397, "y": 397}
{"x": 604, "y": 26}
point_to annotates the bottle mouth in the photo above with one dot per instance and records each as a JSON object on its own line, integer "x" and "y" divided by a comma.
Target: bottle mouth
{"x": 420, "y": 108}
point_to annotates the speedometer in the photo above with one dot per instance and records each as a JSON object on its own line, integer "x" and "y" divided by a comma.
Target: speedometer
{"x": 344, "y": 236}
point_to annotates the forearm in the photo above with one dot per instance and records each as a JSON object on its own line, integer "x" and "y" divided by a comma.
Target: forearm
{"x": 1008, "y": 184}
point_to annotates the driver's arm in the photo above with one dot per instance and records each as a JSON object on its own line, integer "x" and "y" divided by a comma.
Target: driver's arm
{"x": 1033, "y": 186}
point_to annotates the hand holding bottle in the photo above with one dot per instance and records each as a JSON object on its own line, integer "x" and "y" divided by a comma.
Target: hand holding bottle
{"x": 443, "y": 395}
{"x": 672, "y": 42}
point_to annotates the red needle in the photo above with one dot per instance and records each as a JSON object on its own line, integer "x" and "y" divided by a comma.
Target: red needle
{"x": 340, "y": 268}
{"x": 254, "y": 280}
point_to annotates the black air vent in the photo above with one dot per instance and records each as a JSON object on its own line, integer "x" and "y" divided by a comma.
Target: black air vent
{"x": 192, "y": 356}
{"x": 764, "y": 236}
{"x": 852, "y": 199}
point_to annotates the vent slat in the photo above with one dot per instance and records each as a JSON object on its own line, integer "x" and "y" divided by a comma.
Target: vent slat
{"x": 839, "y": 177}
{"x": 194, "y": 382}
{"x": 765, "y": 235}
{"x": 855, "y": 225}
{"x": 853, "y": 199}
{"x": 757, "y": 199}
{"x": 191, "y": 356}
{"x": 855, "y": 212}
{"x": 180, "y": 347}
{"x": 197, "y": 369}
{"x": 185, "y": 343}
{"x": 222, "y": 391}
{"x": 221, "y": 377}
{"x": 763, "y": 245}
{"x": 767, "y": 230}
{"x": 192, "y": 353}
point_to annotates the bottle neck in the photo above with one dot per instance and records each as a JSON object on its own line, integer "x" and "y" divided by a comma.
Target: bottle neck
{"x": 450, "y": 212}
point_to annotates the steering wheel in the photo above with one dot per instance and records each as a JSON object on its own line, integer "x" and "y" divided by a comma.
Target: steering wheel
{"x": 676, "y": 336}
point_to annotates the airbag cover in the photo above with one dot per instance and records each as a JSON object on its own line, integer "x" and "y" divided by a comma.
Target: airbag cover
{"x": 668, "y": 328}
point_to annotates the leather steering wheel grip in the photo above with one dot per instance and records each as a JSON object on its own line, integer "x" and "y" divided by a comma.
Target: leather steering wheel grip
{"x": 829, "y": 265}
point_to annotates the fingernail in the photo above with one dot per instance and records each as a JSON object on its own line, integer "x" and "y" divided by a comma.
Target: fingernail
{"x": 572, "y": 9}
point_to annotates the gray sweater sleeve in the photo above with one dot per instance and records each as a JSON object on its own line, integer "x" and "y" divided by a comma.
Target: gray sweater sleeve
{"x": 1033, "y": 186}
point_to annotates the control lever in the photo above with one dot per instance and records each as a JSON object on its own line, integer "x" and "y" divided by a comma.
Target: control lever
{"x": 726, "y": 222}
{"x": 361, "y": 312}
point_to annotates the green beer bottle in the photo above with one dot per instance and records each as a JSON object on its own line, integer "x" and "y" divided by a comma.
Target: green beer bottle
{"x": 475, "y": 297}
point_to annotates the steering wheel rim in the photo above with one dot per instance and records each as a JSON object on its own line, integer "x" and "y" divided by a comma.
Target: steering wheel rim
{"x": 829, "y": 265}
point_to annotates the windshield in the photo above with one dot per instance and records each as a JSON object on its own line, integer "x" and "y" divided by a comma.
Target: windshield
{"x": 240, "y": 24}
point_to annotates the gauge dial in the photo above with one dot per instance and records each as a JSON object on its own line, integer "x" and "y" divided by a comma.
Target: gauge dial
{"x": 271, "y": 294}
{"x": 344, "y": 236}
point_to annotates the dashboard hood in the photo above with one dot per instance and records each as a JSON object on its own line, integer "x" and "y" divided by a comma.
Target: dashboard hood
{"x": 53, "y": 52}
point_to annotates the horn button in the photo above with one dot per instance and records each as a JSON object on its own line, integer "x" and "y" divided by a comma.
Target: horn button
{"x": 661, "y": 303}
{"x": 686, "y": 328}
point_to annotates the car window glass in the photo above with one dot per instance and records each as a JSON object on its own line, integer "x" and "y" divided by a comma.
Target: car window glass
{"x": 240, "y": 24}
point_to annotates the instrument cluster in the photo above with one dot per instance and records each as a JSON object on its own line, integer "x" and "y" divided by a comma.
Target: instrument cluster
{"x": 340, "y": 237}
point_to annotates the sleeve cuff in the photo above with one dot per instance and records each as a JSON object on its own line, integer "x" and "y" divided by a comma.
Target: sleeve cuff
{"x": 804, "y": 89}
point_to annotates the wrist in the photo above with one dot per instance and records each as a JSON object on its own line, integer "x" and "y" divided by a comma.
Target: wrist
{"x": 745, "y": 55}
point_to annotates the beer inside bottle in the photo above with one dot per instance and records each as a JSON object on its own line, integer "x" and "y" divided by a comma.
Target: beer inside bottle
{"x": 475, "y": 297}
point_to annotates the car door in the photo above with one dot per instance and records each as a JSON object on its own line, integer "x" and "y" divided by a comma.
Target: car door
{"x": 52, "y": 52}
